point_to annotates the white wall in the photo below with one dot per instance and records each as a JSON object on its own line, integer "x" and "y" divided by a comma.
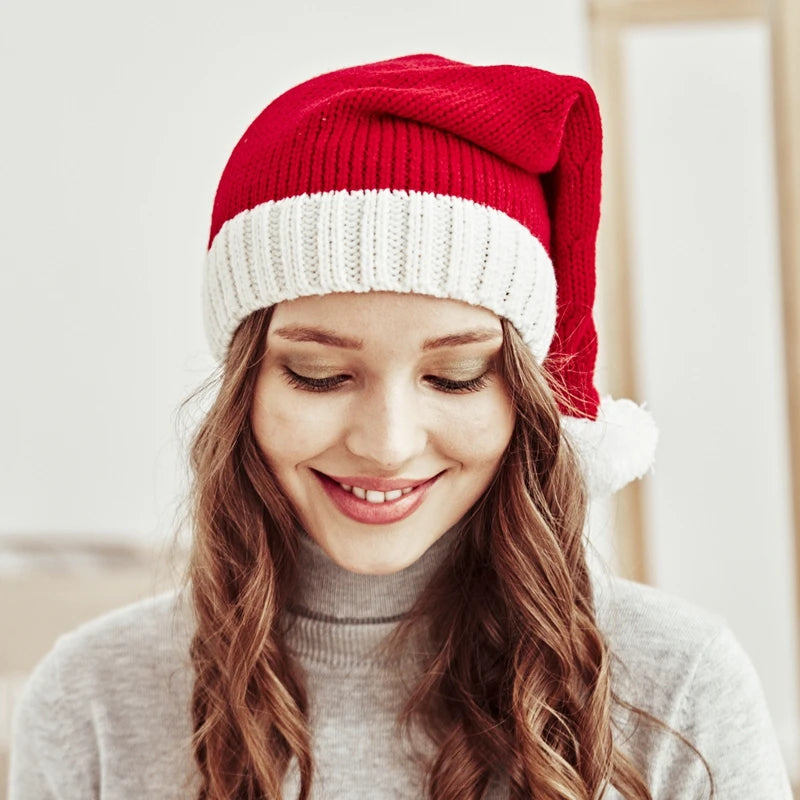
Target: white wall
{"x": 118, "y": 120}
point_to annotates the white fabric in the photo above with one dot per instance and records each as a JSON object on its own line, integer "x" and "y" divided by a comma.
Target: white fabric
{"x": 379, "y": 240}
{"x": 615, "y": 448}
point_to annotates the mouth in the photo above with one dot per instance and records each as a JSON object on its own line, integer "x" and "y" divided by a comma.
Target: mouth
{"x": 379, "y": 502}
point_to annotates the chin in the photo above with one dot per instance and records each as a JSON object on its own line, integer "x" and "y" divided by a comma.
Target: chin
{"x": 373, "y": 569}
{"x": 367, "y": 559}
{"x": 376, "y": 566}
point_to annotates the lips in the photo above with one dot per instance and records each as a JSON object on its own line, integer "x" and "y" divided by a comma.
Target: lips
{"x": 375, "y": 513}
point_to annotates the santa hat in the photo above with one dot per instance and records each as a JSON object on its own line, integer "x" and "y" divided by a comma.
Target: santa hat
{"x": 420, "y": 174}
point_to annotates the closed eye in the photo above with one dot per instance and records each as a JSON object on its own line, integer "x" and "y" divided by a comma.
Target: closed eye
{"x": 473, "y": 385}
{"x": 329, "y": 384}
{"x": 313, "y": 384}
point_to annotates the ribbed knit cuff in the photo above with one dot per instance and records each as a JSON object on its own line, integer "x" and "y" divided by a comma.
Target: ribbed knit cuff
{"x": 379, "y": 240}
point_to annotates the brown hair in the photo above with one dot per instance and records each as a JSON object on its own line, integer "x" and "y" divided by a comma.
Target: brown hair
{"x": 517, "y": 676}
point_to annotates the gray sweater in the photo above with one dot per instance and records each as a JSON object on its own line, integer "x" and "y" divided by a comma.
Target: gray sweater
{"x": 105, "y": 714}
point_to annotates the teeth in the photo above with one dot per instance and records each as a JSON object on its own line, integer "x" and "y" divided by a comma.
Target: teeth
{"x": 372, "y": 496}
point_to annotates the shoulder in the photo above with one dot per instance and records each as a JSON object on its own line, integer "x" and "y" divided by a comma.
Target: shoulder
{"x": 107, "y": 690}
{"x": 684, "y": 666}
{"x": 665, "y": 649}
{"x": 654, "y": 631}
{"x": 133, "y": 632}
{"x": 115, "y": 653}
{"x": 121, "y": 647}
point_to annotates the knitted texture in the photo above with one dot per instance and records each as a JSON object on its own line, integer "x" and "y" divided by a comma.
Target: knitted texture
{"x": 425, "y": 175}
{"x": 381, "y": 240}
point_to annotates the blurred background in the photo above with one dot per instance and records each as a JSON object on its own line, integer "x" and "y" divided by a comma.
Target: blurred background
{"x": 117, "y": 121}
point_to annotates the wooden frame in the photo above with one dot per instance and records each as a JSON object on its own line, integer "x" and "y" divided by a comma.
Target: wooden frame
{"x": 618, "y": 13}
{"x": 608, "y": 21}
{"x": 785, "y": 31}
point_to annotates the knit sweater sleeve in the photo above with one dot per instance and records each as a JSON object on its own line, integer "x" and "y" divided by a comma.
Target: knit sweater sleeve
{"x": 54, "y": 752}
{"x": 723, "y": 713}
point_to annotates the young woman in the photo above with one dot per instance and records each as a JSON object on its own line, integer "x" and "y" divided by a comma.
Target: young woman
{"x": 388, "y": 595}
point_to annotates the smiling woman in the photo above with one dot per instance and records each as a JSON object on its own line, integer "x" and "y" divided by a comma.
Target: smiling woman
{"x": 388, "y": 593}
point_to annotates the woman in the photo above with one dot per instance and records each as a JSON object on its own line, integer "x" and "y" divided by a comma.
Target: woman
{"x": 388, "y": 594}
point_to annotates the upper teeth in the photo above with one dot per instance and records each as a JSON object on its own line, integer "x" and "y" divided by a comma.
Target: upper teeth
{"x": 372, "y": 496}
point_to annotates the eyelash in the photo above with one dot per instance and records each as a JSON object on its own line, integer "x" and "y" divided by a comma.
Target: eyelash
{"x": 331, "y": 384}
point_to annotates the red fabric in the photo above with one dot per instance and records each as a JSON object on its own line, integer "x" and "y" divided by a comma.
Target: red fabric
{"x": 522, "y": 140}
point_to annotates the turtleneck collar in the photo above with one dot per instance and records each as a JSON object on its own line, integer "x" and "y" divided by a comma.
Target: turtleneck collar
{"x": 328, "y": 592}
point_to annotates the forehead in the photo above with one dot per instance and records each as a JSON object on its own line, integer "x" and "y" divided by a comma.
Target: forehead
{"x": 374, "y": 316}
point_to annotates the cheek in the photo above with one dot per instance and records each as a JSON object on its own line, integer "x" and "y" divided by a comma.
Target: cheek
{"x": 479, "y": 431}
{"x": 287, "y": 429}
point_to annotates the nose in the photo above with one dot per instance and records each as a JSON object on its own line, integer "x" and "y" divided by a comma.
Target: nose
{"x": 387, "y": 427}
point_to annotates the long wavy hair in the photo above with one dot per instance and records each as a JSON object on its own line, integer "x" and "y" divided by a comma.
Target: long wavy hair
{"x": 517, "y": 679}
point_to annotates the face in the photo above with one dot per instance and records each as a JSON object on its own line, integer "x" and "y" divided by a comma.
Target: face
{"x": 383, "y": 418}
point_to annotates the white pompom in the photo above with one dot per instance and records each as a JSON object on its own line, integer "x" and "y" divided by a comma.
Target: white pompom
{"x": 617, "y": 447}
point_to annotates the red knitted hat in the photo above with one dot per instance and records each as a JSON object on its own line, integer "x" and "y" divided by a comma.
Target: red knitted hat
{"x": 421, "y": 174}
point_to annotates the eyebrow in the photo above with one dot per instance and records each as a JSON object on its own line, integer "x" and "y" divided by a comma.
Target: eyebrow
{"x": 304, "y": 333}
